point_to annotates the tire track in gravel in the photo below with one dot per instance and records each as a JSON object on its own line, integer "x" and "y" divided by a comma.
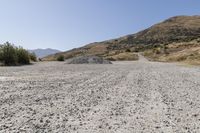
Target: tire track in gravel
{"x": 133, "y": 104}
{"x": 92, "y": 99}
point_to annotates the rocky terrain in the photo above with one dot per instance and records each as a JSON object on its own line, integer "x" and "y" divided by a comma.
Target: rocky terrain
{"x": 128, "y": 97}
{"x": 88, "y": 60}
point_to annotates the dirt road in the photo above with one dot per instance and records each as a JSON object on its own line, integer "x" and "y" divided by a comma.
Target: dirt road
{"x": 125, "y": 97}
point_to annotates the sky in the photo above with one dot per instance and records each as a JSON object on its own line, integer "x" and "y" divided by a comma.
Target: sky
{"x": 67, "y": 24}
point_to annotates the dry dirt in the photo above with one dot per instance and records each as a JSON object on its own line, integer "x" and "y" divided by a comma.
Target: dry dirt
{"x": 125, "y": 97}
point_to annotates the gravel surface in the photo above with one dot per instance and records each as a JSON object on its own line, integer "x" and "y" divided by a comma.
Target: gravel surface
{"x": 125, "y": 97}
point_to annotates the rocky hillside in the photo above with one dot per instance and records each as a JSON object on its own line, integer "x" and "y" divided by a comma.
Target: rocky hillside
{"x": 173, "y": 30}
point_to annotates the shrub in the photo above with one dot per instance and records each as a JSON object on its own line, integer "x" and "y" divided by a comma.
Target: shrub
{"x": 1, "y": 53}
{"x": 33, "y": 57}
{"x": 60, "y": 58}
{"x": 11, "y": 55}
{"x": 128, "y": 50}
{"x": 156, "y": 51}
{"x": 8, "y": 54}
{"x": 22, "y": 56}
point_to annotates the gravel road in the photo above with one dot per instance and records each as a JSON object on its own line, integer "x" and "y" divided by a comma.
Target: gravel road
{"x": 125, "y": 97}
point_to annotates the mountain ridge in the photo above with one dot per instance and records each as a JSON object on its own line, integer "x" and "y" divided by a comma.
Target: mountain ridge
{"x": 174, "y": 29}
{"x": 40, "y": 53}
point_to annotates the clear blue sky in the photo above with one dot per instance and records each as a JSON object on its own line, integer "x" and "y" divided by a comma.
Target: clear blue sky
{"x": 66, "y": 24}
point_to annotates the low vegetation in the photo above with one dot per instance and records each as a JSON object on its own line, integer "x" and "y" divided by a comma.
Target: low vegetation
{"x": 187, "y": 52}
{"x": 61, "y": 58}
{"x": 11, "y": 55}
{"x": 33, "y": 57}
{"x": 125, "y": 56}
{"x": 22, "y": 56}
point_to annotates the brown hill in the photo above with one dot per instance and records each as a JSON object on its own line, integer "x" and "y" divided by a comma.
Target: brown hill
{"x": 173, "y": 30}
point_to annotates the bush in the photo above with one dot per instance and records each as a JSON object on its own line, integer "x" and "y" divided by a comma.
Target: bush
{"x": 156, "y": 51}
{"x": 22, "y": 56}
{"x": 61, "y": 58}
{"x": 128, "y": 50}
{"x": 11, "y": 55}
{"x": 33, "y": 57}
{"x": 8, "y": 54}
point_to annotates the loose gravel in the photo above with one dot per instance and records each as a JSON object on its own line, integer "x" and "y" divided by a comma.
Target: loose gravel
{"x": 125, "y": 97}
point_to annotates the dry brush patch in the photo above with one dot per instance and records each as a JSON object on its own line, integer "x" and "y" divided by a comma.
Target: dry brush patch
{"x": 126, "y": 56}
{"x": 188, "y": 52}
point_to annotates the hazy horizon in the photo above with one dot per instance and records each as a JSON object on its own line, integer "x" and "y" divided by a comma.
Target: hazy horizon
{"x": 67, "y": 24}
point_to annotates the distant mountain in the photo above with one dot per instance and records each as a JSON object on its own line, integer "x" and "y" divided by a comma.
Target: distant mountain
{"x": 173, "y": 30}
{"x": 40, "y": 53}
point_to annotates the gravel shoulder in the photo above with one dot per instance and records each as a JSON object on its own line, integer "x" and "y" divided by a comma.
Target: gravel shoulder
{"x": 128, "y": 97}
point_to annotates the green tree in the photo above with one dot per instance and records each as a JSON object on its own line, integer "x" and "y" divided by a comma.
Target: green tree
{"x": 22, "y": 56}
{"x": 8, "y": 54}
{"x": 12, "y": 55}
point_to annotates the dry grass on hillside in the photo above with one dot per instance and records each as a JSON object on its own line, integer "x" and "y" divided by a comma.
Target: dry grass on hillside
{"x": 127, "y": 56}
{"x": 187, "y": 52}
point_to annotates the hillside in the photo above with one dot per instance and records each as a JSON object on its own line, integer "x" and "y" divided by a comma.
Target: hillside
{"x": 173, "y": 30}
{"x": 40, "y": 53}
